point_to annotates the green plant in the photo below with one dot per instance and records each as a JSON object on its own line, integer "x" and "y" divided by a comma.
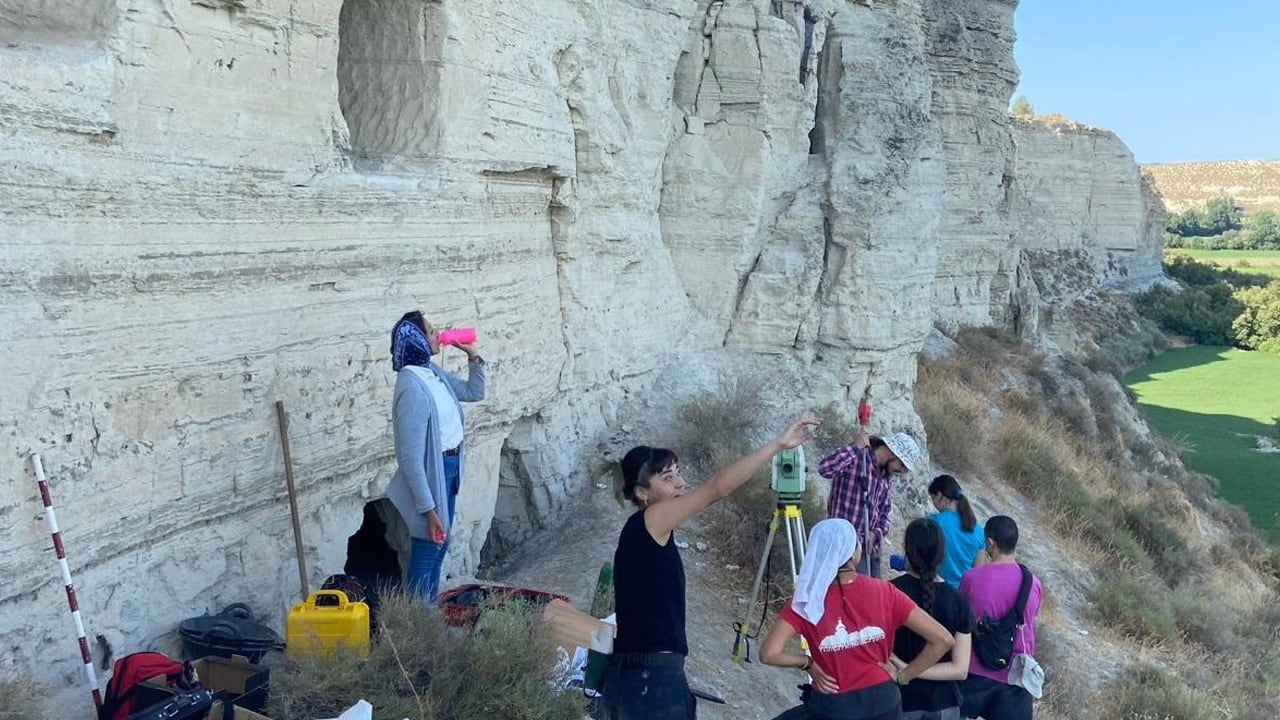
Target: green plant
{"x": 1136, "y": 608}
{"x": 420, "y": 668}
{"x": 1148, "y": 693}
{"x": 1174, "y": 561}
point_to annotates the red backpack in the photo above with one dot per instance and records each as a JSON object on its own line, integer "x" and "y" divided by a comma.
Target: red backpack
{"x": 131, "y": 670}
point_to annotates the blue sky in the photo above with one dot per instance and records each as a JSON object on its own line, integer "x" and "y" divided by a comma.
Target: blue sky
{"x": 1177, "y": 80}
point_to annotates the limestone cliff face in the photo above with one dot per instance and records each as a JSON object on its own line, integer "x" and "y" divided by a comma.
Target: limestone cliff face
{"x": 973, "y": 76}
{"x": 215, "y": 204}
{"x": 1077, "y": 190}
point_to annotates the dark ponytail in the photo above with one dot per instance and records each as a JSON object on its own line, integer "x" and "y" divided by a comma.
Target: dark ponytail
{"x": 641, "y": 463}
{"x": 925, "y": 547}
{"x": 949, "y": 488}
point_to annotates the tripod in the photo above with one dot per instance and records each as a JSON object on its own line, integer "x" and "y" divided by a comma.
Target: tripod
{"x": 786, "y": 513}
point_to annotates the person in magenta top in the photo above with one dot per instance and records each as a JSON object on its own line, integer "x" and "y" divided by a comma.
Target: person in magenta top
{"x": 848, "y": 621}
{"x": 992, "y": 591}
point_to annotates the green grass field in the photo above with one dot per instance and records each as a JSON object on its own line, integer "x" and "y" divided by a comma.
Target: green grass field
{"x": 1217, "y": 401}
{"x": 1261, "y": 262}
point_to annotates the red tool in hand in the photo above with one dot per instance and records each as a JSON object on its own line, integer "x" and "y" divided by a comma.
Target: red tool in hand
{"x": 864, "y": 412}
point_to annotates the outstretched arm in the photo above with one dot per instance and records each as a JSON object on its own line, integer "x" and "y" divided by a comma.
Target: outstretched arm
{"x": 665, "y": 517}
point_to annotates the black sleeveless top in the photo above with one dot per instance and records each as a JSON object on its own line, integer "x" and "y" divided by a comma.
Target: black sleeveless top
{"x": 648, "y": 583}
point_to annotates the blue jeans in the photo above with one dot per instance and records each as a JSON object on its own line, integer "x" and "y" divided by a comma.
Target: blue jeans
{"x": 426, "y": 558}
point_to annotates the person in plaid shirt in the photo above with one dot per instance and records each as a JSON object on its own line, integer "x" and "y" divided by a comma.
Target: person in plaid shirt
{"x": 867, "y": 466}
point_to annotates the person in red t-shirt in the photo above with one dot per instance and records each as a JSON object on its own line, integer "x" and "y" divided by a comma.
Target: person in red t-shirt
{"x": 848, "y": 621}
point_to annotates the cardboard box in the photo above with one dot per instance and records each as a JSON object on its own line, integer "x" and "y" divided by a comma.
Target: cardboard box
{"x": 247, "y": 683}
{"x": 215, "y": 713}
{"x": 572, "y": 628}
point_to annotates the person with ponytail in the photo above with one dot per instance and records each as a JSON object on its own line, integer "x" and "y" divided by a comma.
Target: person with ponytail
{"x": 849, "y": 621}
{"x": 645, "y": 679}
{"x": 936, "y": 696}
{"x": 965, "y": 541}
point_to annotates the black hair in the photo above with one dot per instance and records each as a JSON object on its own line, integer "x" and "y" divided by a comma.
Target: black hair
{"x": 415, "y": 317}
{"x": 876, "y": 443}
{"x": 949, "y": 488}
{"x": 641, "y": 463}
{"x": 925, "y": 547}
{"x": 1003, "y": 531}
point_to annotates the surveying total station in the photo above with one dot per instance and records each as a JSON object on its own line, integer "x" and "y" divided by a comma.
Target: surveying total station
{"x": 788, "y": 485}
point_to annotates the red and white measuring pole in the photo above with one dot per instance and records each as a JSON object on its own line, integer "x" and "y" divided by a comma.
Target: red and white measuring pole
{"x": 85, "y": 655}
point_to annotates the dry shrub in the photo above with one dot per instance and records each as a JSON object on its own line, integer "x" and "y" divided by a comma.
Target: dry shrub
{"x": 422, "y": 669}
{"x": 1148, "y": 693}
{"x": 955, "y": 416}
{"x": 1200, "y": 618}
{"x": 20, "y": 698}
{"x": 718, "y": 427}
{"x": 836, "y": 431}
{"x": 1174, "y": 561}
{"x": 1066, "y": 686}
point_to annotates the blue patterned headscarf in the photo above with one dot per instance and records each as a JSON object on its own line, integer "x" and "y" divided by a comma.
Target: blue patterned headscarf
{"x": 409, "y": 346}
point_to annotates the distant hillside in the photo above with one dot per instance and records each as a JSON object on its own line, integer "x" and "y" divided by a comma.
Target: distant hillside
{"x": 1255, "y": 184}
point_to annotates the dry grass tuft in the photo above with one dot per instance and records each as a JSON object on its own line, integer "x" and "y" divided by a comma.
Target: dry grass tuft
{"x": 718, "y": 427}
{"x": 956, "y": 417}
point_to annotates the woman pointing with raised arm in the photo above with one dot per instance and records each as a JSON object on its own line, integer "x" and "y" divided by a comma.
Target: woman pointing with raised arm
{"x": 645, "y": 679}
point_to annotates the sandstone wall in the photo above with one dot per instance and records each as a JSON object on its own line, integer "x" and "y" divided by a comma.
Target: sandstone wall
{"x": 215, "y": 204}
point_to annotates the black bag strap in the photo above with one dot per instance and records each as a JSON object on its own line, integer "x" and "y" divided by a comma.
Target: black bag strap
{"x": 1024, "y": 592}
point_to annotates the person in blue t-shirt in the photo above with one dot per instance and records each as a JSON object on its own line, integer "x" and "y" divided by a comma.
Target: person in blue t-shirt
{"x": 965, "y": 541}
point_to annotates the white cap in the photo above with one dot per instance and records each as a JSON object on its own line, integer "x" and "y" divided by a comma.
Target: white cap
{"x": 904, "y": 447}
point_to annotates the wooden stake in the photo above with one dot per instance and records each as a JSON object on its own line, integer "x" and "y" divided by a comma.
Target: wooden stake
{"x": 293, "y": 496}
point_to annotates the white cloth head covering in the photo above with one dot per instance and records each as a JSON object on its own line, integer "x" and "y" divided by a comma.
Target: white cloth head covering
{"x": 831, "y": 543}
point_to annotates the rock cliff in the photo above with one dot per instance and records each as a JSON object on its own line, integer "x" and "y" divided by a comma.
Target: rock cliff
{"x": 215, "y": 204}
{"x": 1077, "y": 190}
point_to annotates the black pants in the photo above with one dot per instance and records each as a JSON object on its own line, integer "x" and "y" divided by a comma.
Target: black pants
{"x": 649, "y": 687}
{"x": 993, "y": 700}
{"x": 878, "y": 702}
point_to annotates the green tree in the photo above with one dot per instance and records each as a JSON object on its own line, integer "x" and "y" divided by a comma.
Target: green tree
{"x": 1258, "y": 325}
{"x": 1218, "y": 216}
{"x": 1022, "y": 108}
{"x": 1264, "y": 230}
{"x": 1222, "y": 214}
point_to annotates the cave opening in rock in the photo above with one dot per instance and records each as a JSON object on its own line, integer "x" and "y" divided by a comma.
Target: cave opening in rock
{"x": 372, "y": 557}
{"x": 388, "y": 76}
{"x": 515, "y": 514}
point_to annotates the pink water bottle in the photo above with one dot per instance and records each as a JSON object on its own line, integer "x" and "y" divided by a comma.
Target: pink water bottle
{"x": 458, "y": 336}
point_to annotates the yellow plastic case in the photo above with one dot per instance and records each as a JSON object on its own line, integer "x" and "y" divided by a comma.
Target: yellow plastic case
{"x": 326, "y": 623}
